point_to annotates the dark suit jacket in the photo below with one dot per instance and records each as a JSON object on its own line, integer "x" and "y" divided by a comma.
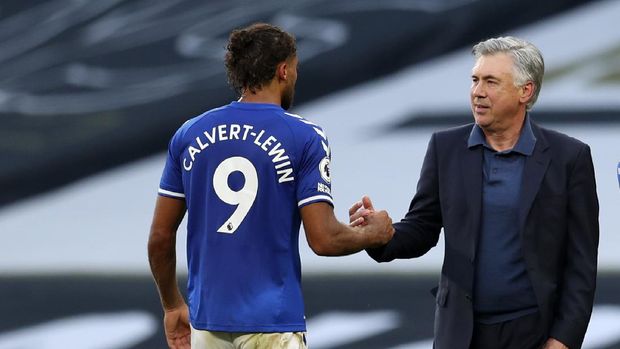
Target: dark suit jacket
{"x": 558, "y": 217}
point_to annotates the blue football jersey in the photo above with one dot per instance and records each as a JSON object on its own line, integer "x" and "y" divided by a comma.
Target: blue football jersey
{"x": 244, "y": 171}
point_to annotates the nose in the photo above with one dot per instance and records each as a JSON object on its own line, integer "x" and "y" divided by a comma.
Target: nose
{"x": 477, "y": 90}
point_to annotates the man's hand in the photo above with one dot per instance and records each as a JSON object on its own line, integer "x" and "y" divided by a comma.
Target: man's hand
{"x": 379, "y": 225}
{"x": 176, "y": 325}
{"x": 359, "y": 211}
{"x": 553, "y": 343}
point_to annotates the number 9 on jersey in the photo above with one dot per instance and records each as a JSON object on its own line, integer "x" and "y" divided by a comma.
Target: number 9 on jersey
{"x": 243, "y": 198}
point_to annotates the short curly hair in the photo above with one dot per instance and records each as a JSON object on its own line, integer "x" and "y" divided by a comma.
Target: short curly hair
{"x": 253, "y": 53}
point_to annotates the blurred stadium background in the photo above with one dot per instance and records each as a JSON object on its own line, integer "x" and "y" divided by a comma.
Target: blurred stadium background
{"x": 91, "y": 92}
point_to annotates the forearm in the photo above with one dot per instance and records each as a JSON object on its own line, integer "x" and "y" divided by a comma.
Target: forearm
{"x": 342, "y": 240}
{"x": 328, "y": 237}
{"x": 162, "y": 259}
{"x": 406, "y": 243}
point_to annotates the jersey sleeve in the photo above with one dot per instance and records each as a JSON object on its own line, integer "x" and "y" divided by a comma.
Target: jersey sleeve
{"x": 314, "y": 172}
{"x": 171, "y": 183}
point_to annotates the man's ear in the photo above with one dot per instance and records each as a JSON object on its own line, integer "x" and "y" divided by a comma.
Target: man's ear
{"x": 281, "y": 71}
{"x": 527, "y": 92}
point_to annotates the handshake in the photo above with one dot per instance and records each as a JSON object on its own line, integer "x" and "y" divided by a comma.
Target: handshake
{"x": 377, "y": 225}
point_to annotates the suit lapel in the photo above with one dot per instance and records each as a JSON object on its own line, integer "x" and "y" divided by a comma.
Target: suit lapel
{"x": 533, "y": 173}
{"x": 471, "y": 170}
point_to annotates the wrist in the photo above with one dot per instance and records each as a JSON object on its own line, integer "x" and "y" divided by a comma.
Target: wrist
{"x": 175, "y": 307}
{"x": 173, "y": 303}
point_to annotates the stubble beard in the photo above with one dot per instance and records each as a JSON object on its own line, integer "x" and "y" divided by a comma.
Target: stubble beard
{"x": 287, "y": 98}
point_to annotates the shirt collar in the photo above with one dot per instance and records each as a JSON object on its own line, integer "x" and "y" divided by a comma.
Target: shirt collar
{"x": 527, "y": 140}
{"x": 476, "y": 137}
{"x": 525, "y": 144}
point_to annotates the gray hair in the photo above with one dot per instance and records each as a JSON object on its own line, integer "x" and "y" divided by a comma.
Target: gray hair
{"x": 528, "y": 63}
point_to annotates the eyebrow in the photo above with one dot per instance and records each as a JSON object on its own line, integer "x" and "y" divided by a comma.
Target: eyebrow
{"x": 486, "y": 77}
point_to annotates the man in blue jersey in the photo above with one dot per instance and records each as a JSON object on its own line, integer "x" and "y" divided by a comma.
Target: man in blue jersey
{"x": 248, "y": 173}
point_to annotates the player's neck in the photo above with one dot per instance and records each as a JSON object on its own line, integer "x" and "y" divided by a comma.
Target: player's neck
{"x": 267, "y": 94}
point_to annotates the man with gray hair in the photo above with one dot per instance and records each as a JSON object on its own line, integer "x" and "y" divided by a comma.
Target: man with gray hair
{"x": 519, "y": 210}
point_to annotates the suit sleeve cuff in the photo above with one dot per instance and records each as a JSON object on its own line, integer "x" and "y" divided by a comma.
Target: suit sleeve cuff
{"x": 569, "y": 333}
{"x": 378, "y": 254}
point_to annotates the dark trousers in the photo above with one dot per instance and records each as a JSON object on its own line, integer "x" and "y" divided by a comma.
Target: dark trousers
{"x": 521, "y": 333}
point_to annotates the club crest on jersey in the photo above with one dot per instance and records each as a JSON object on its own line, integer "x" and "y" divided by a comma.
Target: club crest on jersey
{"x": 324, "y": 170}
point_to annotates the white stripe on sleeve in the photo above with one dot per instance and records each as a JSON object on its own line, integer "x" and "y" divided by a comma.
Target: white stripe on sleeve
{"x": 171, "y": 193}
{"x": 316, "y": 197}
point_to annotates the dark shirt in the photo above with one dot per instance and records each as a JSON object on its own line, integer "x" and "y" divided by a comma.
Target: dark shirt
{"x": 502, "y": 288}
